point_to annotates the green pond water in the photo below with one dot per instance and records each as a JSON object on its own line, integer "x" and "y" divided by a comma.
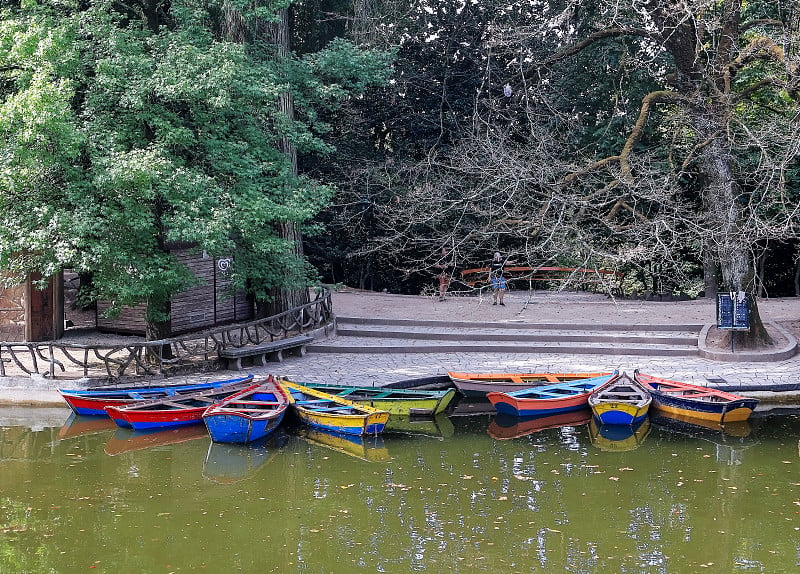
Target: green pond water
{"x": 459, "y": 494}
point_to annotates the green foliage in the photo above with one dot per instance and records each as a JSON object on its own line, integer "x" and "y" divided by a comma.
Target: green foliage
{"x": 130, "y": 130}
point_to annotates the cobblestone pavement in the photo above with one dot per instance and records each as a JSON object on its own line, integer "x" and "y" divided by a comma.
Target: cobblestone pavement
{"x": 575, "y": 308}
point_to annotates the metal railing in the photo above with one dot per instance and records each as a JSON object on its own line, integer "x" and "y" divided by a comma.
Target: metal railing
{"x": 196, "y": 351}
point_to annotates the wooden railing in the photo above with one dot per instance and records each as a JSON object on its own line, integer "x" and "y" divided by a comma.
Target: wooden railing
{"x": 480, "y": 276}
{"x": 193, "y": 351}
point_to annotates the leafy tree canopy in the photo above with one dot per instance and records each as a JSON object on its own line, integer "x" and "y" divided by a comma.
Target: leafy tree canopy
{"x": 128, "y": 128}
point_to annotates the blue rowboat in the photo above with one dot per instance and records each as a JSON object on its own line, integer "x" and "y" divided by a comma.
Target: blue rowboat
{"x": 621, "y": 401}
{"x": 549, "y": 399}
{"x": 248, "y": 415}
{"x": 92, "y": 402}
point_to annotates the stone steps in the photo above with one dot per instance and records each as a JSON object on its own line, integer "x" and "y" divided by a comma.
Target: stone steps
{"x": 367, "y": 335}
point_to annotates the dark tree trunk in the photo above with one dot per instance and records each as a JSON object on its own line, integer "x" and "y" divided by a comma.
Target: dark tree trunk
{"x": 710, "y": 269}
{"x": 797, "y": 278}
{"x": 283, "y": 299}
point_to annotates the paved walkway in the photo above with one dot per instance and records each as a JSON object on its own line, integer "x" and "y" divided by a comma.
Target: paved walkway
{"x": 520, "y": 307}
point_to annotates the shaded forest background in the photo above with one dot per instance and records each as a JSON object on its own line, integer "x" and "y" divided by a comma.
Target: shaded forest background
{"x": 375, "y": 142}
{"x": 495, "y": 131}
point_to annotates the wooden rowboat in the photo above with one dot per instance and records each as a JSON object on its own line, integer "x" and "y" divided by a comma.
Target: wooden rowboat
{"x": 548, "y": 399}
{"x": 673, "y": 397}
{"x": 329, "y": 412}
{"x": 479, "y": 384}
{"x": 405, "y": 402}
{"x": 621, "y": 401}
{"x": 172, "y": 411}
{"x": 92, "y": 402}
{"x": 249, "y": 415}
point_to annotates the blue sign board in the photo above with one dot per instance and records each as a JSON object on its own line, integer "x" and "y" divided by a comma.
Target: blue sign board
{"x": 733, "y": 311}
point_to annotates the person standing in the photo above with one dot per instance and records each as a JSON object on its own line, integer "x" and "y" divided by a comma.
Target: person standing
{"x": 496, "y": 273}
{"x": 444, "y": 275}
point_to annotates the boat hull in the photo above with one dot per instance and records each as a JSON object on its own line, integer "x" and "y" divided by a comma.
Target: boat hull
{"x": 478, "y": 385}
{"x": 403, "y": 402}
{"x": 240, "y": 428}
{"x": 157, "y": 419}
{"x": 740, "y": 412}
{"x": 92, "y": 402}
{"x": 621, "y": 401}
{"x": 686, "y": 400}
{"x": 174, "y": 411}
{"x": 331, "y": 413}
{"x": 509, "y": 405}
{"x": 619, "y": 413}
{"x": 248, "y": 416}
{"x": 549, "y": 399}
{"x": 345, "y": 424}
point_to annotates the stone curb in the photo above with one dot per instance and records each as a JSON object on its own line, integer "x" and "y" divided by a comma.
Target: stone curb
{"x": 789, "y": 351}
{"x": 516, "y": 337}
{"x": 466, "y": 348}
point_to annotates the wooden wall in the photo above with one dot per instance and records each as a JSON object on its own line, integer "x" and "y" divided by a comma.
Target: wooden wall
{"x": 12, "y": 313}
{"x": 208, "y": 304}
{"x": 31, "y": 314}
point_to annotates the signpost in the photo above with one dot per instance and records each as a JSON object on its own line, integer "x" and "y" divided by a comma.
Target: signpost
{"x": 733, "y": 312}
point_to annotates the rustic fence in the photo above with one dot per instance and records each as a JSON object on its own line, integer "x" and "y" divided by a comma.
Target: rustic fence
{"x": 184, "y": 353}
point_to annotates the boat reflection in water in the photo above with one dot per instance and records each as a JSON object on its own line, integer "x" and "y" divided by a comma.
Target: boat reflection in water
{"x": 504, "y": 427}
{"x": 618, "y": 438}
{"x": 730, "y": 439}
{"x": 227, "y": 463}
{"x": 704, "y": 429}
{"x": 77, "y": 425}
{"x": 367, "y": 447}
{"x": 128, "y": 440}
{"x": 438, "y": 426}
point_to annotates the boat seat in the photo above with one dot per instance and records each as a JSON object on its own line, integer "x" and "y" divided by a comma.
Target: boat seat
{"x": 174, "y": 404}
{"x": 246, "y": 402}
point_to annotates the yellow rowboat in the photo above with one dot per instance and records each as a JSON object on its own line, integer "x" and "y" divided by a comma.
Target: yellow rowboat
{"x": 329, "y": 412}
{"x": 621, "y": 401}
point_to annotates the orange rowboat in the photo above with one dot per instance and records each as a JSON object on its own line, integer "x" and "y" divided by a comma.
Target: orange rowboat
{"x": 478, "y": 384}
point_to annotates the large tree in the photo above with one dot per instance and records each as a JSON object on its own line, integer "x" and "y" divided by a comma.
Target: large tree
{"x": 131, "y": 127}
{"x": 652, "y": 134}
{"x": 728, "y": 103}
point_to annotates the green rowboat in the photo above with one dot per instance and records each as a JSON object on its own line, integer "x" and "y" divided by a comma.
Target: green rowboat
{"x": 406, "y": 402}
